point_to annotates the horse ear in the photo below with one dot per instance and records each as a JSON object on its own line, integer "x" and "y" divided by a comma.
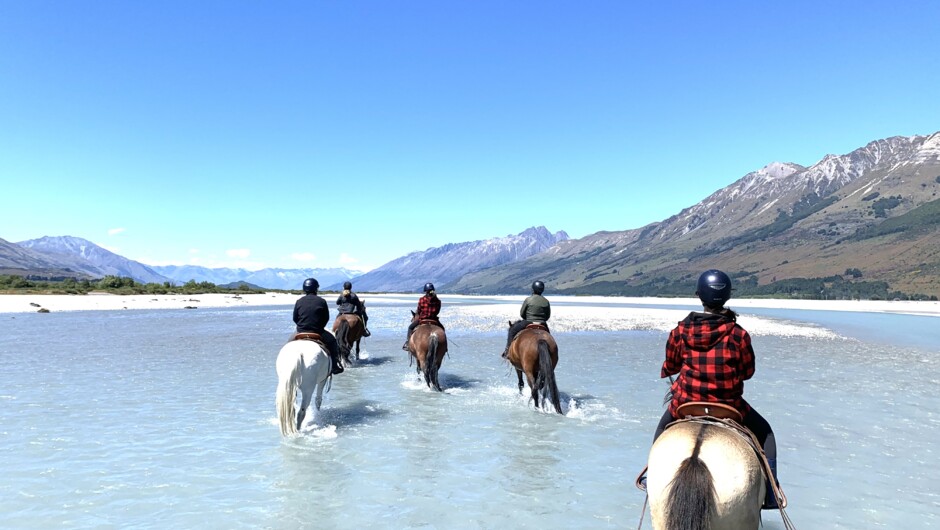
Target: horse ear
{"x": 510, "y": 323}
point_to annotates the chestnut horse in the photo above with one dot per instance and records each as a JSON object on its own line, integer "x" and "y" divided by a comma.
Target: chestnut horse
{"x": 427, "y": 345}
{"x": 348, "y": 329}
{"x": 535, "y": 352}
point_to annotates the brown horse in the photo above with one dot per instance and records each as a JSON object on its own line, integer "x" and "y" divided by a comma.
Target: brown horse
{"x": 427, "y": 345}
{"x": 535, "y": 352}
{"x": 348, "y": 329}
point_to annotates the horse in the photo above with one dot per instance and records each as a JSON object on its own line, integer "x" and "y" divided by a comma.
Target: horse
{"x": 305, "y": 364}
{"x": 535, "y": 352}
{"x": 427, "y": 345}
{"x": 704, "y": 474}
{"x": 349, "y": 329}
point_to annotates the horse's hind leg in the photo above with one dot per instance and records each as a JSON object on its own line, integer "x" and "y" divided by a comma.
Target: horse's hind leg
{"x": 357, "y": 348}
{"x": 521, "y": 384}
{"x": 304, "y": 403}
{"x": 534, "y": 386}
{"x": 319, "y": 399}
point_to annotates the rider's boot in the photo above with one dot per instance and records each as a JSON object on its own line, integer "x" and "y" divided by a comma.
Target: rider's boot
{"x": 405, "y": 345}
{"x": 770, "y": 500}
{"x": 366, "y": 333}
{"x": 337, "y": 365}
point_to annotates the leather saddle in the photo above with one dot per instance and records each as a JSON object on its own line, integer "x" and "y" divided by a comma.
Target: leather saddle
{"x": 694, "y": 409}
{"x": 308, "y": 335}
{"x": 431, "y": 322}
{"x": 538, "y": 325}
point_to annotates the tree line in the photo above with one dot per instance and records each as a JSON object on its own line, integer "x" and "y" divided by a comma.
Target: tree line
{"x": 112, "y": 284}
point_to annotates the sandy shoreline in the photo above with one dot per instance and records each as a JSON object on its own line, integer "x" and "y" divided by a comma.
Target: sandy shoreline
{"x": 31, "y": 303}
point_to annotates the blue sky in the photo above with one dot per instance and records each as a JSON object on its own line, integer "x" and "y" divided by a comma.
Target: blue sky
{"x": 325, "y": 134}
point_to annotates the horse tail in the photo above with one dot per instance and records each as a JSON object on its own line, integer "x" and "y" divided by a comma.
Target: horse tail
{"x": 431, "y": 358}
{"x": 286, "y": 392}
{"x": 547, "y": 376}
{"x": 690, "y": 496}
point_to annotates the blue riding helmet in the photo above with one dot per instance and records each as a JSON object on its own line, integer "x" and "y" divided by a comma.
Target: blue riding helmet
{"x": 311, "y": 285}
{"x": 713, "y": 288}
{"x": 538, "y": 287}
{"x": 428, "y": 287}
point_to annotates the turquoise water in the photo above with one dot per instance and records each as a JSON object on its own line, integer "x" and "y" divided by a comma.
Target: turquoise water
{"x": 165, "y": 419}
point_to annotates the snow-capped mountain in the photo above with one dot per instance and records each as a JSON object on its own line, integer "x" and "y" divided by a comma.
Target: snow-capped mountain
{"x": 270, "y": 278}
{"x": 86, "y": 257}
{"x": 441, "y": 265}
{"x": 783, "y": 220}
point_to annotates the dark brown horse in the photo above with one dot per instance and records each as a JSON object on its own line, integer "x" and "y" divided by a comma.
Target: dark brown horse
{"x": 427, "y": 345}
{"x": 535, "y": 352}
{"x": 348, "y": 329}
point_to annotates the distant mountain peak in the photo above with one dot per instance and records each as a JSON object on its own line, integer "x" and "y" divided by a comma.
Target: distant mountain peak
{"x": 449, "y": 262}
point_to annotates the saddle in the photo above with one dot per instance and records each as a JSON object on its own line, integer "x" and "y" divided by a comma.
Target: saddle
{"x": 538, "y": 325}
{"x": 694, "y": 409}
{"x": 309, "y": 335}
{"x": 431, "y": 322}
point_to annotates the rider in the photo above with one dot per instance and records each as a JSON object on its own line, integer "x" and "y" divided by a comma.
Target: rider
{"x": 535, "y": 308}
{"x": 713, "y": 356}
{"x": 311, "y": 314}
{"x": 429, "y": 306}
{"x": 349, "y": 303}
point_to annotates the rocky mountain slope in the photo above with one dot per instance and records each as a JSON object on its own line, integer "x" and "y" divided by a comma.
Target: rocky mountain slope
{"x": 442, "y": 265}
{"x": 84, "y": 256}
{"x": 782, "y": 221}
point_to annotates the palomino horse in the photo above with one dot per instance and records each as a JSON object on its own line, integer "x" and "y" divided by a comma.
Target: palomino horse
{"x": 348, "y": 329}
{"x": 535, "y": 352}
{"x": 704, "y": 474}
{"x": 427, "y": 345}
{"x": 304, "y": 364}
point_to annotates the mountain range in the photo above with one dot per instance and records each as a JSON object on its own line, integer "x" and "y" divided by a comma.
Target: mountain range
{"x": 446, "y": 264}
{"x": 67, "y": 256}
{"x": 874, "y": 213}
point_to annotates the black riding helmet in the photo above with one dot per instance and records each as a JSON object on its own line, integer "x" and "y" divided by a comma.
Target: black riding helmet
{"x": 713, "y": 288}
{"x": 428, "y": 287}
{"x": 538, "y": 287}
{"x": 347, "y": 285}
{"x": 311, "y": 285}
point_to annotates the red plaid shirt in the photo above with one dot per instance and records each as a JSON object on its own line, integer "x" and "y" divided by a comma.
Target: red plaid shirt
{"x": 713, "y": 357}
{"x": 428, "y": 307}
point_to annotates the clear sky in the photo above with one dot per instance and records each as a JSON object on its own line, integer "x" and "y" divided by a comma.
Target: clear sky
{"x": 325, "y": 134}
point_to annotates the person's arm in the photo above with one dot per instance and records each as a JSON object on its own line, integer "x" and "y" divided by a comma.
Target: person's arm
{"x": 296, "y": 313}
{"x": 525, "y": 305}
{"x": 673, "y": 362}
{"x": 747, "y": 356}
{"x": 548, "y": 310}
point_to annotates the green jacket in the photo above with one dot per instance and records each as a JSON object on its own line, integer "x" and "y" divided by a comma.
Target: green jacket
{"x": 536, "y": 308}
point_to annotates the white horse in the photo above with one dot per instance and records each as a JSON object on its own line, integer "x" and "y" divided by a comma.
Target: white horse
{"x": 304, "y": 364}
{"x": 704, "y": 476}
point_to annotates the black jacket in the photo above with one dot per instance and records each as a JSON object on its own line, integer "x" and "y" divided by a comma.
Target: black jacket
{"x": 311, "y": 314}
{"x": 349, "y": 304}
